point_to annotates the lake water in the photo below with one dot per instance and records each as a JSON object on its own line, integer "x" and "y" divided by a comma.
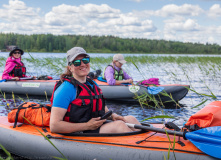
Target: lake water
{"x": 169, "y": 72}
{"x": 203, "y": 76}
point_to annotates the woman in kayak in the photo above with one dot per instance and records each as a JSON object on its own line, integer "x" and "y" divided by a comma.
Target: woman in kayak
{"x": 114, "y": 74}
{"x": 78, "y": 103}
{"x": 14, "y": 67}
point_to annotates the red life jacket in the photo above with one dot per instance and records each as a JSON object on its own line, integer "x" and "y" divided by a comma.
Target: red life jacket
{"x": 18, "y": 71}
{"x": 89, "y": 103}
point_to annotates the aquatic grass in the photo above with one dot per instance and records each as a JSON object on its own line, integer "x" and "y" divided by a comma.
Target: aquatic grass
{"x": 142, "y": 99}
{"x": 145, "y": 98}
{"x": 7, "y": 107}
{"x": 205, "y": 71}
{"x": 31, "y": 56}
{"x": 46, "y": 96}
{"x": 2, "y": 61}
{"x": 56, "y": 65}
{"x": 204, "y": 95}
{"x": 13, "y": 97}
{"x": 212, "y": 95}
{"x": 64, "y": 158}
{"x": 137, "y": 68}
{"x": 200, "y": 104}
{"x": 181, "y": 65}
{"x": 164, "y": 93}
{"x": 171, "y": 145}
{"x": 7, "y": 153}
{"x": 21, "y": 99}
{"x": 27, "y": 97}
{"x": 159, "y": 116}
{"x": 174, "y": 142}
{"x": 139, "y": 98}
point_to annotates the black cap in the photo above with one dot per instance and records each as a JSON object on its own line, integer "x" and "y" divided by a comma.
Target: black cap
{"x": 16, "y": 49}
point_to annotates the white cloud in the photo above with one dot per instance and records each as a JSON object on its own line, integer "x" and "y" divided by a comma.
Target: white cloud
{"x": 171, "y": 22}
{"x": 97, "y": 19}
{"x": 66, "y": 14}
{"x": 15, "y": 4}
{"x": 20, "y": 18}
{"x": 181, "y": 26}
{"x": 204, "y": 35}
{"x": 184, "y": 10}
{"x": 124, "y": 20}
{"x": 215, "y": 11}
{"x": 17, "y": 11}
{"x": 137, "y": 0}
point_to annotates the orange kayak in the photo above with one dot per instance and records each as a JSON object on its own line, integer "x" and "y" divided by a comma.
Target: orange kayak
{"x": 27, "y": 142}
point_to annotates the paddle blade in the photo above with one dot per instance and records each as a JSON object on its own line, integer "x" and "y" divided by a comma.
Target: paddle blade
{"x": 3, "y": 80}
{"x": 154, "y": 90}
{"x": 208, "y": 140}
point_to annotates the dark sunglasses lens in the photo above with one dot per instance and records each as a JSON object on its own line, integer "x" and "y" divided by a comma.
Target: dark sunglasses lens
{"x": 86, "y": 60}
{"x": 17, "y": 52}
{"x": 77, "y": 62}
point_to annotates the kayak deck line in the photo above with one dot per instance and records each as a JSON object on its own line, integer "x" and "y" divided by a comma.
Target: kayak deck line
{"x": 118, "y": 144}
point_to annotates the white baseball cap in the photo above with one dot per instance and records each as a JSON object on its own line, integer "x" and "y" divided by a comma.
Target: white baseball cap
{"x": 74, "y": 52}
{"x": 119, "y": 58}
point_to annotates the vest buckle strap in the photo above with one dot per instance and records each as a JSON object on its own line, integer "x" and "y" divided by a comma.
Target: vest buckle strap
{"x": 83, "y": 102}
{"x": 96, "y": 97}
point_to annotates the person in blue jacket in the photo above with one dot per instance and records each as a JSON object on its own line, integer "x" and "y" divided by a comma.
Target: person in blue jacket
{"x": 78, "y": 103}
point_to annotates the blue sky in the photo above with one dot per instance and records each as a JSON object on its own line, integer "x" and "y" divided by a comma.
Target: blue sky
{"x": 177, "y": 20}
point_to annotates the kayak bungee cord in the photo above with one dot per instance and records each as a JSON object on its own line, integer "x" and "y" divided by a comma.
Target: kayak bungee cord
{"x": 118, "y": 144}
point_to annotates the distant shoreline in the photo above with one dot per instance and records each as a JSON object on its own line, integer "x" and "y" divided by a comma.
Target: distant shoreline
{"x": 49, "y": 43}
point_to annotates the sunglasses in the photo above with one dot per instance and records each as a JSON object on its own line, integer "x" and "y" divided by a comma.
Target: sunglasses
{"x": 17, "y": 53}
{"x": 77, "y": 62}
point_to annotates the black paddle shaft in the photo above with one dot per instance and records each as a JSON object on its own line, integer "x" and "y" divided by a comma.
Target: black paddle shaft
{"x": 170, "y": 132}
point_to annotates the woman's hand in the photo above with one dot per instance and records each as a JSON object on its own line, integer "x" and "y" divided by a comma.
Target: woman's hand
{"x": 128, "y": 81}
{"x": 117, "y": 117}
{"x": 16, "y": 78}
{"x": 95, "y": 123}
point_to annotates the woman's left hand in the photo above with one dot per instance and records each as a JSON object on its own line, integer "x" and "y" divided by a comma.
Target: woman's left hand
{"x": 117, "y": 117}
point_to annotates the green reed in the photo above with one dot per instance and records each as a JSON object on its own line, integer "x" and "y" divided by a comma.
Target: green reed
{"x": 206, "y": 66}
{"x": 64, "y": 158}
{"x": 181, "y": 65}
{"x": 7, "y": 107}
{"x": 7, "y": 153}
{"x": 172, "y": 144}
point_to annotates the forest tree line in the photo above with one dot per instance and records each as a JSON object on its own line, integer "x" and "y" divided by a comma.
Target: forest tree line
{"x": 102, "y": 44}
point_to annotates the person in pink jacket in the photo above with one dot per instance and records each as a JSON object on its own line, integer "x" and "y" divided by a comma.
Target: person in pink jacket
{"x": 14, "y": 67}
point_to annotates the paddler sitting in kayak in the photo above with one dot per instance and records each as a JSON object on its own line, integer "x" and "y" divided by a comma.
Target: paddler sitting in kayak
{"x": 14, "y": 67}
{"x": 114, "y": 74}
{"x": 78, "y": 103}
